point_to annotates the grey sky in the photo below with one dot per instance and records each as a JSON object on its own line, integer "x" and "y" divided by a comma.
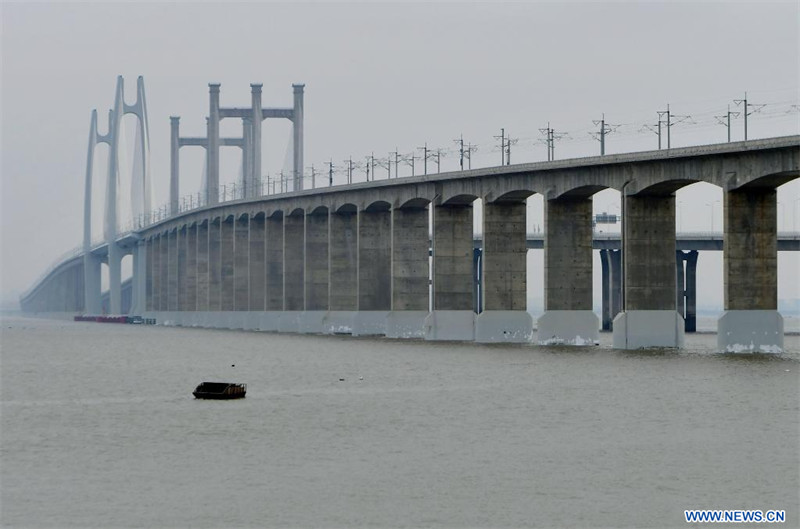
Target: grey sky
{"x": 379, "y": 76}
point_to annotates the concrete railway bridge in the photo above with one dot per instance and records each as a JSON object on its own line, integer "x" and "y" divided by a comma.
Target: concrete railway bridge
{"x": 396, "y": 257}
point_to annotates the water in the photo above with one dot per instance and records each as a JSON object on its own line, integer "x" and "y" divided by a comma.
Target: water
{"x": 99, "y": 429}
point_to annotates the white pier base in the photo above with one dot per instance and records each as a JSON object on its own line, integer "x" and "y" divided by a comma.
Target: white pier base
{"x": 750, "y": 331}
{"x": 450, "y": 325}
{"x": 406, "y": 323}
{"x": 311, "y": 321}
{"x": 568, "y": 327}
{"x": 504, "y": 326}
{"x": 289, "y": 321}
{"x": 370, "y": 323}
{"x": 338, "y": 322}
{"x": 636, "y": 329}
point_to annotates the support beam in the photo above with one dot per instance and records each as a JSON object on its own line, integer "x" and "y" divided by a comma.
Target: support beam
{"x": 214, "y": 265}
{"x": 91, "y": 278}
{"x": 275, "y": 290}
{"x": 294, "y": 271}
{"x": 568, "y": 318}
{"x": 316, "y": 272}
{"x": 505, "y": 317}
{"x": 190, "y": 270}
{"x": 374, "y": 272}
{"x": 202, "y": 266}
{"x": 343, "y": 270}
{"x": 258, "y": 256}
{"x": 410, "y": 273}
{"x": 453, "y": 317}
{"x": 173, "y": 270}
{"x": 241, "y": 264}
{"x": 611, "y": 261}
{"x": 649, "y": 318}
{"x": 751, "y": 321}
{"x": 149, "y": 304}
{"x": 183, "y": 291}
{"x": 227, "y": 264}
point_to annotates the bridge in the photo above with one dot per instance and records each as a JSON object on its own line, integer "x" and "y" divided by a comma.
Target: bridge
{"x": 396, "y": 257}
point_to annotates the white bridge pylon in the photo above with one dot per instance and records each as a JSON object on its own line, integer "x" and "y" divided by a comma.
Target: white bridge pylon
{"x": 140, "y": 194}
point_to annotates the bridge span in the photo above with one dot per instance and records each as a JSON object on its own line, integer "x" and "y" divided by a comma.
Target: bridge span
{"x": 395, "y": 257}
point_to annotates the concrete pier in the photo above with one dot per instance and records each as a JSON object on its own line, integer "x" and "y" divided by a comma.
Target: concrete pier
{"x": 504, "y": 317}
{"x": 374, "y": 270}
{"x": 149, "y": 304}
{"x": 453, "y": 317}
{"x": 751, "y": 321}
{"x": 227, "y": 248}
{"x": 214, "y": 265}
{"x": 316, "y": 272}
{"x": 410, "y": 272}
{"x": 343, "y": 254}
{"x": 293, "y": 271}
{"x": 183, "y": 304}
{"x": 173, "y": 271}
{"x": 274, "y": 233}
{"x": 649, "y": 318}
{"x": 241, "y": 264}
{"x": 568, "y": 318}
{"x": 202, "y": 266}
{"x": 611, "y": 263}
{"x": 258, "y": 263}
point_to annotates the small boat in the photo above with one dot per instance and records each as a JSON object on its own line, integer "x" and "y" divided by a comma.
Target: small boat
{"x": 220, "y": 390}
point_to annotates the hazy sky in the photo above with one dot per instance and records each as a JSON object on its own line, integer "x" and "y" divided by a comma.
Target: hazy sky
{"x": 381, "y": 76}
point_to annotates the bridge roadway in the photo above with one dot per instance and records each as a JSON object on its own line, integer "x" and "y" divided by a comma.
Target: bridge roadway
{"x": 355, "y": 258}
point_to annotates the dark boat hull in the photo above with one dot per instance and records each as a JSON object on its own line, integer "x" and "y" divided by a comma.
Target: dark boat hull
{"x": 220, "y": 391}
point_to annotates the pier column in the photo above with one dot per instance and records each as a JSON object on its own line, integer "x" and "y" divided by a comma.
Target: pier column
{"x": 149, "y": 304}
{"x": 273, "y": 267}
{"x": 241, "y": 271}
{"x": 157, "y": 273}
{"x": 214, "y": 265}
{"x": 453, "y": 316}
{"x": 182, "y": 284}
{"x": 649, "y": 317}
{"x": 91, "y": 284}
{"x": 611, "y": 261}
{"x": 202, "y": 266}
{"x": 374, "y": 270}
{"x": 139, "y": 279}
{"x": 293, "y": 270}
{"x": 504, "y": 261}
{"x": 227, "y": 247}
{"x": 172, "y": 270}
{"x": 687, "y": 288}
{"x": 410, "y": 273}
{"x": 258, "y": 256}
{"x": 190, "y": 272}
{"x": 114, "y": 278}
{"x": 316, "y": 272}
{"x": 343, "y": 270}
{"x": 568, "y": 317}
{"x": 751, "y": 321}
